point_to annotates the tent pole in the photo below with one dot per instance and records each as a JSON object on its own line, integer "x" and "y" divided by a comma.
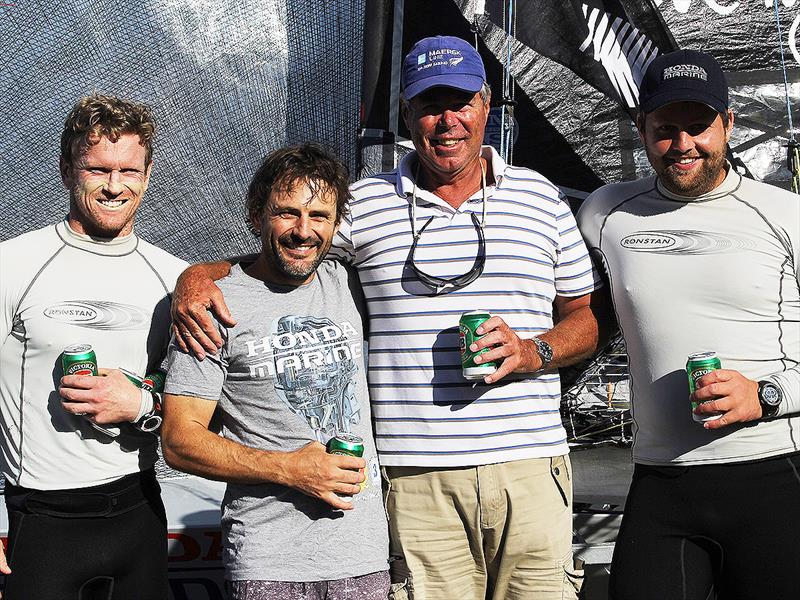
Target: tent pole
{"x": 397, "y": 60}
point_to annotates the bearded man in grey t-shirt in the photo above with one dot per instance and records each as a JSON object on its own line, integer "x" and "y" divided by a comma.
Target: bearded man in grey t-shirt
{"x": 298, "y": 522}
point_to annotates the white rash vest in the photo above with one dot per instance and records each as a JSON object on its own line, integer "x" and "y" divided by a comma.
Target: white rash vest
{"x": 60, "y": 288}
{"x": 714, "y": 273}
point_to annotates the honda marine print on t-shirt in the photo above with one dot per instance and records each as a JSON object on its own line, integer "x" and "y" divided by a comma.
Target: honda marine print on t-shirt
{"x": 313, "y": 362}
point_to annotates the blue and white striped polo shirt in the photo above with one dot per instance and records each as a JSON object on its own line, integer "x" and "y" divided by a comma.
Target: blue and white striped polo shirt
{"x": 425, "y": 413}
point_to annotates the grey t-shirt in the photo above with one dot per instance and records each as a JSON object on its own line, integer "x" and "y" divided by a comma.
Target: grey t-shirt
{"x": 291, "y": 371}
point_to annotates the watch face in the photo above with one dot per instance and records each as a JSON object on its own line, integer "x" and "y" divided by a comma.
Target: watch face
{"x": 545, "y": 351}
{"x": 770, "y": 394}
{"x": 150, "y": 423}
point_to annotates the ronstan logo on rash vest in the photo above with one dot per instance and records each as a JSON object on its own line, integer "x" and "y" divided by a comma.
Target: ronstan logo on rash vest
{"x": 683, "y": 242}
{"x": 96, "y": 314}
{"x": 647, "y": 240}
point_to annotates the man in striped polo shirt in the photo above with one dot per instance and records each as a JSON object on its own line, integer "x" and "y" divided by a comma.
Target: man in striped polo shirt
{"x": 478, "y": 481}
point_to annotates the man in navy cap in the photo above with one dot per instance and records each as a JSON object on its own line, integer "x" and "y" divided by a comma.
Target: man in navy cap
{"x": 701, "y": 260}
{"x": 479, "y": 483}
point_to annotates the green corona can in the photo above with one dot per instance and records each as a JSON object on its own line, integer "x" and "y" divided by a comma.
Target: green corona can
{"x": 346, "y": 444}
{"x": 467, "y": 326}
{"x": 79, "y": 359}
{"x": 699, "y": 364}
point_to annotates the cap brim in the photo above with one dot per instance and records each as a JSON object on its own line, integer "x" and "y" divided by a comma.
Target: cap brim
{"x": 465, "y": 83}
{"x": 684, "y": 95}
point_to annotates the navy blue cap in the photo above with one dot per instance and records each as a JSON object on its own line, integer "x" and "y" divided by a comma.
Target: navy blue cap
{"x": 683, "y": 76}
{"x": 441, "y": 61}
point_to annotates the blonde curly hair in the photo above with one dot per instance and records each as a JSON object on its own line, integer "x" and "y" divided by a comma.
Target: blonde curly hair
{"x": 97, "y": 116}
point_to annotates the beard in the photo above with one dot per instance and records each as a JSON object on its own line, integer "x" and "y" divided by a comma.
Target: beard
{"x": 695, "y": 183}
{"x": 296, "y": 270}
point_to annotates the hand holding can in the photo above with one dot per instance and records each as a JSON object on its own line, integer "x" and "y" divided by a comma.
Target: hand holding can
{"x": 346, "y": 444}
{"x": 80, "y": 359}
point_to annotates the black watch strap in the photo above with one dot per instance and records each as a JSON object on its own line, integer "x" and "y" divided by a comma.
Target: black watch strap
{"x": 770, "y": 397}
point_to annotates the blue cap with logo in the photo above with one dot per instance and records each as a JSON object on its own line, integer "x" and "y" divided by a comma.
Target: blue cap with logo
{"x": 684, "y": 76}
{"x": 441, "y": 61}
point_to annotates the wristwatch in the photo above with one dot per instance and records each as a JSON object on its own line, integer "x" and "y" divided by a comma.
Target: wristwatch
{"x": 151, "y": 421}
{"x": 770, "y": 397}
{"x": 545, "y": 352}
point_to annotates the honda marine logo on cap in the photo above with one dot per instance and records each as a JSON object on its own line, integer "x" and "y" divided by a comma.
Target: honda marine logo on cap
{"x": 692, "y": 71}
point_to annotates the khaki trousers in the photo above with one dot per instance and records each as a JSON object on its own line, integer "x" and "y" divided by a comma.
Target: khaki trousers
{"x": 492, "y": 532}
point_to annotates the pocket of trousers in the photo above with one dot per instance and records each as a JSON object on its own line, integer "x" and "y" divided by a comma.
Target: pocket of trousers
{"x": 401, "y": 588}
{"x": 386, "y": 489}
{"x": 573, "y": 577}
{"x": 15, "y": 527}
{"x": 559, "y": 471}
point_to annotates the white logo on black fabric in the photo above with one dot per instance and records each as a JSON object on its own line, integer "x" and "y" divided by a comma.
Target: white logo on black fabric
{"x": 682, "y": 242}
{"x": 622, "y": 49}
{"x": 691, "y": 71}
{"x": 682, "y": 6}
{"x": 95, "y": 314}
{"x": 793, "y": 38}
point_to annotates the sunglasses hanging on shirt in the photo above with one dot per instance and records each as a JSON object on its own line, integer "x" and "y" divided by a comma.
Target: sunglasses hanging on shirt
{"x": 446, "y": 284}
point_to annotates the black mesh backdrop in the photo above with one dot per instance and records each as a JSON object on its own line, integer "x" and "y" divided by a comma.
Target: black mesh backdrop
{"x": 229, "y": 82}
{"x": 599, "y": 133}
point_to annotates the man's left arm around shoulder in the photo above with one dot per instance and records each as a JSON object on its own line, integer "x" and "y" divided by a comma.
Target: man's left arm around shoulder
{"x": 584, "y": 322}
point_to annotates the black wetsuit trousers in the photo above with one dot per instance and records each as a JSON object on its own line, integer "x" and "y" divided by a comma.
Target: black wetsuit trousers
{"x": 107, "y": 542}
{"x": 730, "y": 532}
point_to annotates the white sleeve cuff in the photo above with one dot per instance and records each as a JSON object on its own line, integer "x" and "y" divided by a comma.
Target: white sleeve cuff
{"x": 145, "y": 404}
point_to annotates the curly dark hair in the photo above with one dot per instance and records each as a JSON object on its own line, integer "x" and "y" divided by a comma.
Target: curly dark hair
{"x": 97, "y": 116}
{"x": 308, "y": 163}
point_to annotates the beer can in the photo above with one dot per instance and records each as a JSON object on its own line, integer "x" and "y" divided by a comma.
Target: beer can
{"x": 79, "y": 359}
{"x": 346, "y": 444}
{"x": 467, "y": 326}
{"x": 135, "y": 379}
{"x": 156, "y": 380}
{"x": 699, "y": 364}
{"x": 140, "y": 382}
